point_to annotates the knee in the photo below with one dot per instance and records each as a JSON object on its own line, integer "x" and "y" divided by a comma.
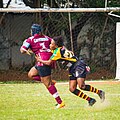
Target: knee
{"x": 82, "y": 87}
{"x": 47, "y": 85}
{"x": 72, "y": 89}
{"x": 30, "y": 75}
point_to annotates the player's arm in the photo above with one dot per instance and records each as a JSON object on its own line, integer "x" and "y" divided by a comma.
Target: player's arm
{"x": 24, "y": 51}
{"x": 25, "y": 48}
{"x": 55, "y": 56}
{"x": 46, "y": 62}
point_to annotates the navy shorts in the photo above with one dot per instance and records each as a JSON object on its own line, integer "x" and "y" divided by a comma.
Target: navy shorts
{"x": 43, "y": 71}
{"x": 78, "y": 70}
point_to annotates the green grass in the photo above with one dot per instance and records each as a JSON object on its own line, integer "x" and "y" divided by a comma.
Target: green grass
{"x": 31, "y": 101}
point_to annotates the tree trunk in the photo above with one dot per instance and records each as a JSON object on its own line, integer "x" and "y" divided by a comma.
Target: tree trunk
{"x": 30, "y": 3}
{"x": 1, "y": 3}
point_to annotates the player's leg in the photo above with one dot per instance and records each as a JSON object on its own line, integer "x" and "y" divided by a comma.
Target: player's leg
{"x": 45, "y": 73}
{"x": 81, "y": 72}
{"x": 33, "y": 74}
{"x": 79, "y": 93}
{"x": 90, "y": 88}
{"x": 83, "y": 86}
{"x": 73, "y": 74}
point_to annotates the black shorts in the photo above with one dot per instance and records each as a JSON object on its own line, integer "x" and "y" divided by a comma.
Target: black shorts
{"x": 78, "y": 70}
{"x": 43, "y": 71}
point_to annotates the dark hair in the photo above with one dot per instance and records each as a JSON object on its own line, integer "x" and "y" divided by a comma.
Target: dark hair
{"x": 58, "y": 41}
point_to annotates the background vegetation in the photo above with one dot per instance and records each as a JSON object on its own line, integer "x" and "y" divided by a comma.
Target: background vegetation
{"x": 91, "y": 32}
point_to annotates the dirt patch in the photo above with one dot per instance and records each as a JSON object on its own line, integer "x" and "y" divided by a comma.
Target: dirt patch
{"x": 101, "y": 74}
{"x": 57, "y": 75}
{"x": 12, "y": 75}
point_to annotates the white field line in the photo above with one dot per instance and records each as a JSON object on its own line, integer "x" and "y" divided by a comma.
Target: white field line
{"x": 100, "y": 81}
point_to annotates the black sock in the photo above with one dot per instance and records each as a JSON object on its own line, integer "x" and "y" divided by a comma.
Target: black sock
{"x": 91, "y": 89}
{"x": 81, "y": 94}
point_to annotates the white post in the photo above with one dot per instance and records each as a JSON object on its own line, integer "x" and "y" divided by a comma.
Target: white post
{"x": 105, "y": 3}
{"x": 118, "y": 50}
{"x": 70, "y": 29}
{"x": 32, "y": 10}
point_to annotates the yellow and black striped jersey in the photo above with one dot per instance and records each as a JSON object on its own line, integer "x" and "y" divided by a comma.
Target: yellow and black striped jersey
{"x": 62, "y": 53}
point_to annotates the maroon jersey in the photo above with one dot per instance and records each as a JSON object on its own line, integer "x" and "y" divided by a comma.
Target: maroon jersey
{"x": 39, "y": 44}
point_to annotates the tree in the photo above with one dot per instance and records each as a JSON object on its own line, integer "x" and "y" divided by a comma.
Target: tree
{"x": 72, "y": 3}
{"x": 30, "y": 3}
{"x": 1, "y": 3}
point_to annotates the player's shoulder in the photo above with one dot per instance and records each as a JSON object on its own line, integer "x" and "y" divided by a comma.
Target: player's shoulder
{"x": 30, "y": 38}
{"x": 48, "y": 37}
{"x": 63, "y": 48}
{"x": 58, "y": 50}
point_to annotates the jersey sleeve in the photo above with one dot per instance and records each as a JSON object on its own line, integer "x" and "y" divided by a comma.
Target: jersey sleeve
{"x": 50, "y": 39}
{"x": 26, "y": 44}
{"x": 56, "y": 54}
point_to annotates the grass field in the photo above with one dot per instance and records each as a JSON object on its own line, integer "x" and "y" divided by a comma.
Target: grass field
{"x": 31, "y": 101}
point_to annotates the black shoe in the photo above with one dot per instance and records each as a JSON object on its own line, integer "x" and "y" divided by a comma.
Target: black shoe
{"x": 91, "y": 102}
{"x": 102, "y": 95}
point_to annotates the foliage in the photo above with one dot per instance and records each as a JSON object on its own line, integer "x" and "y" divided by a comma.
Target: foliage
{"x": 1, "y": 4}
{"x": 114, "y": 3}
{"x": 100, "y": 3}
{"x": 72, "y": 3}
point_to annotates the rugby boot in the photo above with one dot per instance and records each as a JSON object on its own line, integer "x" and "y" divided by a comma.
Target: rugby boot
{"x": 91, "y": 102}
{"x": 102, "y": 95}
{"x": 60, "y": 105}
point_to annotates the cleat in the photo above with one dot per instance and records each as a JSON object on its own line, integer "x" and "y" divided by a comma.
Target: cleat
{"x": 91, "y": 102}
{"x": 60, "y": 105}
{"x": 53, "y": 82}
{"x": 102, "y": 95}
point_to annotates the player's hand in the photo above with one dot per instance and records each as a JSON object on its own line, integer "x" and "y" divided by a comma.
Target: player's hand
{"x": 29, "y": 52}
{"x": 38, "y": 59}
